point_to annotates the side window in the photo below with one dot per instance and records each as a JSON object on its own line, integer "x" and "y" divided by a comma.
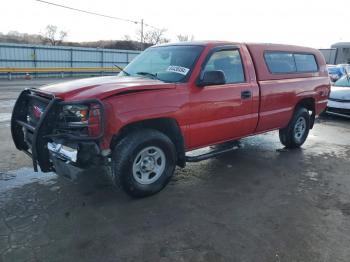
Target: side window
{"x": 280, "y": 62}
{"x": 228, "y": 61}
{"x": 305, "y": 63}
{"x": 284, "y": 62}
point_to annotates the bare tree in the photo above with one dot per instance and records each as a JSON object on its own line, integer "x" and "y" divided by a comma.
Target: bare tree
{"x": 185, "y": 38}
{"x": 62, "y": 35}
{"x": 154, "y": 36}
{"x": 53, "y": 36}
{"x": 126, "y": 38}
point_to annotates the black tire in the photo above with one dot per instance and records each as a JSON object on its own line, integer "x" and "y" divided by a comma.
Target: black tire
{"x": 129, "y": 148}
{"x": 289, "y": 136}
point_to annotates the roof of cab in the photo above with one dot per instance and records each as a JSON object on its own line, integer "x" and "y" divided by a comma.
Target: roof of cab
{"x": 253, "y": 45}
{"x": 199, "y": 43}
{"x": 279, "y": 47}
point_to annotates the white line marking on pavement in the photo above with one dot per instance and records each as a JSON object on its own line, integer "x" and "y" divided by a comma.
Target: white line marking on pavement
{"x": 4, "y": 117}
{"x": 7, "y": 103}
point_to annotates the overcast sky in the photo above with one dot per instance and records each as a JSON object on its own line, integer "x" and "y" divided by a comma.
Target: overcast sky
{"x": 312, "y": 23}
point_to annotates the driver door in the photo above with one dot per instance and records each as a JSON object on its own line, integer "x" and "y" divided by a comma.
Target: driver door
{"x": 226, "y": 111}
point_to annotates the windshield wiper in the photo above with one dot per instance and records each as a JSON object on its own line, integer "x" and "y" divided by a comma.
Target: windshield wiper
{"x": 154, "y": 76}
{"x": 122, "y": 70}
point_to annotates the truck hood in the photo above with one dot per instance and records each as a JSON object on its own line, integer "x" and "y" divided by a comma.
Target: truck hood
{"x": 340, "y": 93}
{"x": 102, "y": 87}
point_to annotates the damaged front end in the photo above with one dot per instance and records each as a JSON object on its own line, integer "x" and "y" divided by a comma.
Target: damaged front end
{"x": 58, "y": 135}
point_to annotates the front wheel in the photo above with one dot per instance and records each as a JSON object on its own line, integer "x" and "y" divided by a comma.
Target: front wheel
{"x": 295, "y": 134}
{"x": 143, "y": 162}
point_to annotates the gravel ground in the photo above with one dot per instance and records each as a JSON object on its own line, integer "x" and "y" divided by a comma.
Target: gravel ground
{"x": 258, "y": 203}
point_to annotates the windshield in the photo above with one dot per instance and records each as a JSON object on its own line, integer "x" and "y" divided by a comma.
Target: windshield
{"x": 166, "y": 63}
{"x": 344, "y": 81}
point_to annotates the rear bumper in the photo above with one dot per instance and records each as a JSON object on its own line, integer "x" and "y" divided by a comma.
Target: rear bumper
{"x": 338, "y": 105}
{"x": 42, "y": 144}
{"x": 338, "y": 112}
{"x": 338, "y": 108}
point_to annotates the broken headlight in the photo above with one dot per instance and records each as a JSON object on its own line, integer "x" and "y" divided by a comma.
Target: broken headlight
{"x": 75, "y": 115}
{"x": 80, "y": 119}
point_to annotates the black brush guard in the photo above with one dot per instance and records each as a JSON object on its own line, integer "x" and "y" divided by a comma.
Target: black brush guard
{"x": 42, "y": 132}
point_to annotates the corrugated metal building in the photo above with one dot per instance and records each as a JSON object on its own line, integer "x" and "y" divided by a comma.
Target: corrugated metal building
{"x": 40, "y": 56}
{"x": 343, "y": 52}
{"x": 339, "y": 53}
{"x": 330, "y": 55}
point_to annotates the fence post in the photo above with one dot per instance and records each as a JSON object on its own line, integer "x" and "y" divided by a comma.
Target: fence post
{"x": 71, "y": 62}
{"x": 35, "y": 62}
{"x": 102, "y": 61}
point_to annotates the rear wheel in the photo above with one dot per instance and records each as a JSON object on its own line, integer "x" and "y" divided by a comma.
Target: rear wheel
{"x": 143, "y": 162}
{"x": 295, "y": 134}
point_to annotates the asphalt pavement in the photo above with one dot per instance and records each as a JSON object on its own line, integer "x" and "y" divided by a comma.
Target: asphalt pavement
{"x": 260, "y": 202}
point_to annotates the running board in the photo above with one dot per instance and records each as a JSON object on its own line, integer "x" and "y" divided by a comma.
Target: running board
{"x": 210, "y": 152}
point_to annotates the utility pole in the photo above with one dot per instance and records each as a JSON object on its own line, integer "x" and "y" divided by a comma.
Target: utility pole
{"x": 141, "y": 34}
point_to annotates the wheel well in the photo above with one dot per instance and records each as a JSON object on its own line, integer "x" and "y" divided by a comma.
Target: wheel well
{"x": 309, "y": 104}
{"x": 167, "y": 126}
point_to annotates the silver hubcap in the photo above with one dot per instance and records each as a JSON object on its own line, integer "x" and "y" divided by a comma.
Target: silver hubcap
{"x": 148, "y": 165}
{"x": 299, "y": 129}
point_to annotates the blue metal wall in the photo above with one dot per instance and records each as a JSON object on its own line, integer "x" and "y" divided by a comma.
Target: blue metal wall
{"x": 40, "y": 56}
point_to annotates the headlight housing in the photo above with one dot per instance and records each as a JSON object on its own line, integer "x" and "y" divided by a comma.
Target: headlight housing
{"x": 81, "y": 119}
{"x": 75, "y": 115}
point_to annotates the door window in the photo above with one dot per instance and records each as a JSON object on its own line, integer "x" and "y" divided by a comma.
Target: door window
{"x": 228, "y": 61}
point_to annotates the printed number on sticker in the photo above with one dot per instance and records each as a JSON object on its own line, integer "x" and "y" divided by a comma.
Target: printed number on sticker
{"x": 178, "y": 69}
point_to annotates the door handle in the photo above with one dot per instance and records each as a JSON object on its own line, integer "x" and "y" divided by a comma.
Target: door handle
{"x": 246, "y": 94}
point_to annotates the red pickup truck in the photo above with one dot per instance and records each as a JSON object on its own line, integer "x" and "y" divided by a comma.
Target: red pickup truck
{"x": 170, "y": 100}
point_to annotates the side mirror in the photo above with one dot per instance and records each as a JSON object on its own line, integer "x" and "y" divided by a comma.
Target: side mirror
{"x": 215, "y": 77}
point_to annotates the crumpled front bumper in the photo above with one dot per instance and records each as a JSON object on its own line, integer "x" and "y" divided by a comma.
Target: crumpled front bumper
{"x": 63, "y": 152}
{"x": 64, "y": 160}
{"x": 71, "y": 161}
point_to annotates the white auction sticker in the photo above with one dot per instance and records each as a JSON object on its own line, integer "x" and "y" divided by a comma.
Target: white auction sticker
{"x": 178, "y": 69}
